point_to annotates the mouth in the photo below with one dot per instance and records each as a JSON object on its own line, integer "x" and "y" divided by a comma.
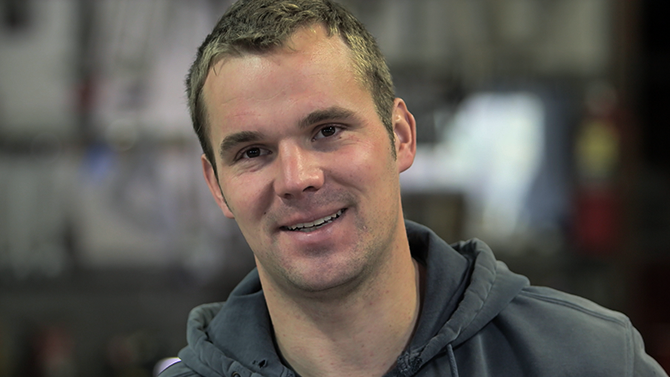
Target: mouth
{"x": 316, "y": 224}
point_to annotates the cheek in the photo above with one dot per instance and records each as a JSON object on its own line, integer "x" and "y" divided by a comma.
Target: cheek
{"x": 368, "y": 166}
{"x": 376, "y": 156}
{"x": 246, "y": 195}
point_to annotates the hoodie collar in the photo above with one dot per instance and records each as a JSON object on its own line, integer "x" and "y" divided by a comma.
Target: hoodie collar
{"x": 447, "y": 274}
{"x": 235, "y": 337}
{"x": 465, "y": 289}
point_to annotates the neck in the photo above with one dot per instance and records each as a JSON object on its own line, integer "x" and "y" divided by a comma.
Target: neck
{"x": 359, "y": 334}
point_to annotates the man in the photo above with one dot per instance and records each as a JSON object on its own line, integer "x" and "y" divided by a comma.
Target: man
{"x": 303, "y": 145}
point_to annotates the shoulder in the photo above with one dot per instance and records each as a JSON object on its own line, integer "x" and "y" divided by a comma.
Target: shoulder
{"x": 569, "y": 307}
{"x": 569, "y": 330}
{"x": 568, "y": 319}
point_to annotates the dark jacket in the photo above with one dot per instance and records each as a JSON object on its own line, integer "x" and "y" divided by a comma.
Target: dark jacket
{"x": 478, "y": 319}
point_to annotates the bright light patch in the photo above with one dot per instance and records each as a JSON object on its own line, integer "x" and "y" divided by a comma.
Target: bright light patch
{"x": 164, "y": 364}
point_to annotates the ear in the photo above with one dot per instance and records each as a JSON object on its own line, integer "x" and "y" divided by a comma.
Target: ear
{"x": 214, "y": 187}
{"x": 404, "y": 127}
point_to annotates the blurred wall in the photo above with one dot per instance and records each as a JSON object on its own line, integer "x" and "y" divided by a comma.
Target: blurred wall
{"x": 539, "y": 131}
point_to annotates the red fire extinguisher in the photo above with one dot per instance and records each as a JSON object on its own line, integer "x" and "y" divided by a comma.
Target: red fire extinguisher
{"x": 597, "y": 222}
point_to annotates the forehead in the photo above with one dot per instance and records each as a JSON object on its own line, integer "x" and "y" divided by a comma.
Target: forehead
{"x": 310, "y": 66}
{"x": 309, "y": 44}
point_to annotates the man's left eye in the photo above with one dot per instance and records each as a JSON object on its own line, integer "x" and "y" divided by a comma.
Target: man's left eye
{"x": 327, "y": 131}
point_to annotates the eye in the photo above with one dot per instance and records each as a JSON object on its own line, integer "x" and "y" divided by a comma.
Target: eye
{"x": 327, "y": 131}
{"x": 254, "y": 152}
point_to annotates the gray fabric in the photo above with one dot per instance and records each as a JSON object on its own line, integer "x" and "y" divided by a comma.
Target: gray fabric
{"x": 478, "y": 319}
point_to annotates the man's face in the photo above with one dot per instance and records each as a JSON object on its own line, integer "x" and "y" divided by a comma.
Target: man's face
{"x": 305, "y": 164}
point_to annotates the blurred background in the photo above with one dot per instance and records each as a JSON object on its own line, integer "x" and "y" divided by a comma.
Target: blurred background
{"x": 541, "y": 131}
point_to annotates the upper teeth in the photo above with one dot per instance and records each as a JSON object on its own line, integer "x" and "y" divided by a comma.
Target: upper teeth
{"x": 314, "y": 223}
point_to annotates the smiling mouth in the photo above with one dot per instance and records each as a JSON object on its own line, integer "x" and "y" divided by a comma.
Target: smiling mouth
{"x": 316, "y": 224}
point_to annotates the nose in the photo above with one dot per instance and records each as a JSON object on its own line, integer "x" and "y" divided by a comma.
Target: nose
{"x": 299, "y": 171}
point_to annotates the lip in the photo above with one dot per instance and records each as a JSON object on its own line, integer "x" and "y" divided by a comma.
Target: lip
{"x": 304, "y": 222}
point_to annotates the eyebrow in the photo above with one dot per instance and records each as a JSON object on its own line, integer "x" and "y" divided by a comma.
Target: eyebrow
{"x": 317, "y": 116}
{"x": 331, "y": 113}
{"x": 230, "y": 141}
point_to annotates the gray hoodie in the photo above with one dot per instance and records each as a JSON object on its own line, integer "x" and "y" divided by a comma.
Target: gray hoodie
{"x": 478, "y": 319}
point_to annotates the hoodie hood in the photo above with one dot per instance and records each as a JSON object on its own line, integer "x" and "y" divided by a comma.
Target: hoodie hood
{"x": 465, "y": 288}
{"x": 233, "y": 338}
